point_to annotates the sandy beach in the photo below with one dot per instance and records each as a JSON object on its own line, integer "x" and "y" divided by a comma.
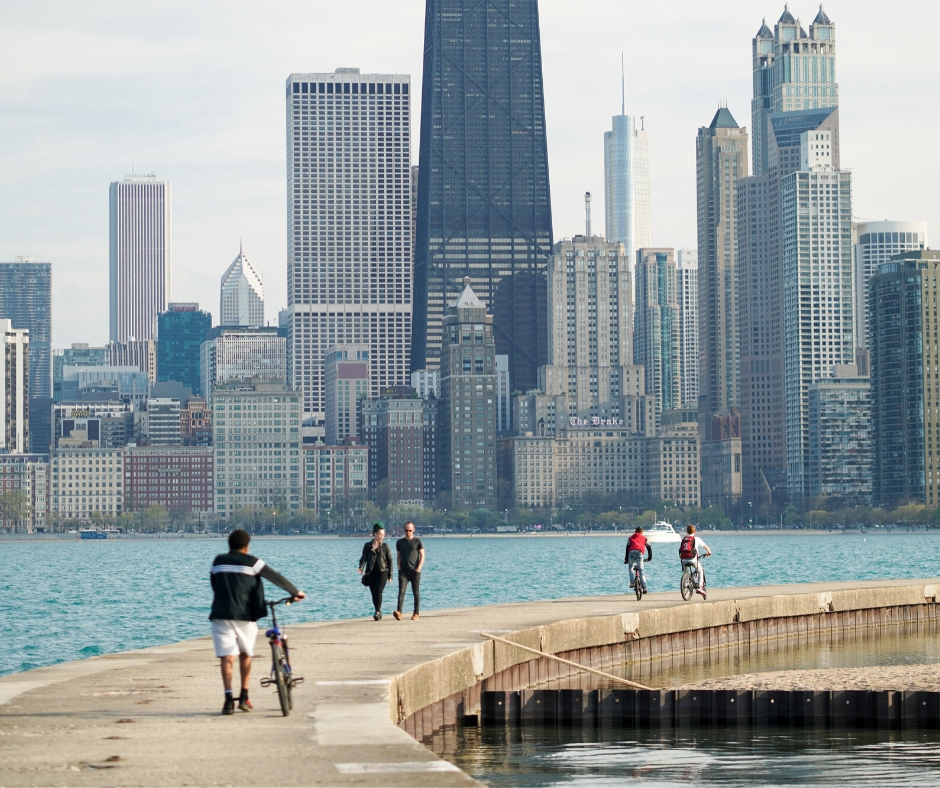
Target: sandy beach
{"x": 893, "y": 677}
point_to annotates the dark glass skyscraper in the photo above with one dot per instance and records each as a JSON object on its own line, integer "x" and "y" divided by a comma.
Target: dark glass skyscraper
{"x": 26, "y": 299}
{"x": 181, "y": 330}
{"x": 483, "y": 196}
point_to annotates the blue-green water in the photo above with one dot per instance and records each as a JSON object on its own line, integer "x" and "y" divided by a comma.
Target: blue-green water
{"x": 67, "y": 600}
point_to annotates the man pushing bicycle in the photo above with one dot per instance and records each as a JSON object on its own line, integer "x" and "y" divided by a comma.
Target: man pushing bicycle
{"x": 691, "y": 549}
{"x": 237, "y": 604}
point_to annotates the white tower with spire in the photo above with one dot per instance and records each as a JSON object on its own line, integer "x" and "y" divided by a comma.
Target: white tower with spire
{"x": 242, "y": 299}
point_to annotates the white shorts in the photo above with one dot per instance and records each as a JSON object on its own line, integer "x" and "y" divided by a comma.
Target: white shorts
{"x": 234, "y": 637}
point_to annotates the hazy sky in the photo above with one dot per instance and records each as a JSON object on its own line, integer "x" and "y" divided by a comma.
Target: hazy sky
{"x": 194, "y": 92}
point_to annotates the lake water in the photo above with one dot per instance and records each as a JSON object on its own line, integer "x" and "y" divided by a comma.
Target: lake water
{"x": 68, "y": 600}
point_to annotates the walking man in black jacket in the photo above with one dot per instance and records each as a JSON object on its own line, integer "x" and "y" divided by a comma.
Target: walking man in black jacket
{"x": 237, "y": 604}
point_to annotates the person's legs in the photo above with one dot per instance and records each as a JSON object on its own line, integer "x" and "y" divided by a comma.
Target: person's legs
{"x": 415, "y": 582}
{"x": 377, "y": 586}
{"x": 633, "y": 560}
{"x": 227, "y": 664}
{"x": 244, "y": 665}
{"x": 402, "y": 587}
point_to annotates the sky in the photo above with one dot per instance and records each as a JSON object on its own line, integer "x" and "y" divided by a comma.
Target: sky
{"x": 194, "y": 92}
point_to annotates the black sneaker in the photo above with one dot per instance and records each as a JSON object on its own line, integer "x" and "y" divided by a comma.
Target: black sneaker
{"x": 229, "y": 707}
{"x": 377, "y": 616}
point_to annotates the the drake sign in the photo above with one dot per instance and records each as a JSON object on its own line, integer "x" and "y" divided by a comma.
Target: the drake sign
{"x": 594, "y": 421}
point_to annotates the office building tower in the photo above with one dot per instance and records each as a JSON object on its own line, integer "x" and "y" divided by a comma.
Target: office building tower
{"x": 816, "y": 226}
{"x": 181, "y": 330}
{"x": 427, "y": 382}
{"x": 791, "y": 71}
{"x": 402, "y": 435}
{"x": 468, "y": 404}
{"x": 687, "y": 296}
{"x": 721, "y": 160}
{"x": 141, "y": 255}
{"x": 876, "y": 243}
{"x": 140, "y": 353}
{"x": 840, "y": 436}
{"x": 721, "y": 468}
{"x": 242, "y": 294}
{"x": 484, "y": 208}
{"x": 79, "y": 355}
{"x": 26, "y": 300}
{"x": 346, "y": 384}
{"x": 230, "y": 353}
{"x": 106, "y": 425}
{"x": 180, "y": 479}
{"x": 74, "y": 495}
{"x": 590, "y": 342}
{"x": 759, "y": 265}
{"x": 336, "y": 477}
{"x": 163, "y": 422}
{"x": 14, "y": 374}
{"x": 503, "y": 395}
{"x": 25, "y": 494}
{"x": 627, "y": 186}
{"x": 349, "y": 271}
{"x": 905, "y": 393}
{"x": 656, "y": 326}
{"x": 258, "y": 462}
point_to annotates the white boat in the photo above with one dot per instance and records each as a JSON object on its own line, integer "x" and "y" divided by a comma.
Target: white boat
{"x": 661, "y": 532}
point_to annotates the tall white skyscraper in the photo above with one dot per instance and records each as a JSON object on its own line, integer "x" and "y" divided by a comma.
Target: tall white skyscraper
{"x": 818, "y": 292}
{"x": 876, "y": 243}
{"x": 242, "y": 298}
{"x": 687, "y": 296}
{"x": 349, "y": 247}
{"x": 141, "y": 256}
{"x": 627, "y": 186}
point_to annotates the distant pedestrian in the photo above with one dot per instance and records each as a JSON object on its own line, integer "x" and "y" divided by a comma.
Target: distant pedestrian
{"x": 237, "y": 604}
{"x": 375, "y": 566}
{"x": 410, "y": 555}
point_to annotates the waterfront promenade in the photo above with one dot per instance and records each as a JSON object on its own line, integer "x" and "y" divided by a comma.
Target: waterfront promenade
{"x": 151, "y": 717}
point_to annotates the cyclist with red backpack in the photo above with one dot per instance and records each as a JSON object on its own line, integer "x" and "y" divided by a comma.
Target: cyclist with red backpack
{"x": 638, "y": 544}
{"x": 691, "y": 548}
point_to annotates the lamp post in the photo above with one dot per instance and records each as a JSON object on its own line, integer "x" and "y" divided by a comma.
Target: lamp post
{"x": 750, "y": 513}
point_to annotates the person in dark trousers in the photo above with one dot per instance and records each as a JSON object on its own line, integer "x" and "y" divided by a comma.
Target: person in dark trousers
{"x": 375, "y": 566}
{"x": 410, "y": 561}
{"x": 237, "y": 604}
{"x": 638, "y": 544}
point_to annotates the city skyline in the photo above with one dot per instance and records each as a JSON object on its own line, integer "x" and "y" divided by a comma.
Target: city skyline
{"x": 93, "y": 144}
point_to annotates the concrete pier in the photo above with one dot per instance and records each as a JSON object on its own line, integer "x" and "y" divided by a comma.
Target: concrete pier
{"x": 151, "y": 717}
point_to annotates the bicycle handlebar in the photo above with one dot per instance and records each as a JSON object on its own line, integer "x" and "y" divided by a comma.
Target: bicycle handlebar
{"x": 288, "y": 600}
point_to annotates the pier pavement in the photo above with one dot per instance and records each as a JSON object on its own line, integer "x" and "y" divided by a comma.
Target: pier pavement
{"x": 151, "y": 717}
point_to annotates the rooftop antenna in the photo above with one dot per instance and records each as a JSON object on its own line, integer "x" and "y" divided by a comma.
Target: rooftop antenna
{"x": 642, "y": 123}
{"x": 587, "y": 214}
{"x": 623, "y": 88}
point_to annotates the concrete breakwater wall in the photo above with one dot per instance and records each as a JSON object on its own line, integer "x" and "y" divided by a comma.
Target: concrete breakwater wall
{"x": 439, "y": 693}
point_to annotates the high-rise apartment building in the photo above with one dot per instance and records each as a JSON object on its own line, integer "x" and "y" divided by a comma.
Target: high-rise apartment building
{"x": 25, "y": 493}
{"x": 590, "y": 343}
{"x": 141, "y": 255}
{"x": 484, "y": 208}
{"x": 687, "y": 296}
{"x": 163, "y": 422}
{"x": 818, "y": 288}
{"x": 85, "y": 481}
{"x": 876, "y": 243}
{"x": 26, "y": 300}
{"x": 721, "y": 160}
{"x": 905, "y": 388}
{"x": 627, "y": 185}
{"x": 349, "y": 272}
{"x": 181, "y": 330}
{"x": 256, "y": 434}
{"x": 760, "y": 310}
{"x": 242, "y": 295}
{"x": 468, "y": 404}
{"x": 14, "y": 375}
{"x": 792, "y": 70}
{"x": 336, "y": 476}
{"x": 230, "y": 353}
{"x": 346, "y": 384}
{"x": 180, "y": 479}
{"x": 656, "y": 326}
{"x": 503, "y": 395}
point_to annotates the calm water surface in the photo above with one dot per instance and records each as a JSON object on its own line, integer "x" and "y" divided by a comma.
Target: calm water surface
{"x": 67, "y": 600}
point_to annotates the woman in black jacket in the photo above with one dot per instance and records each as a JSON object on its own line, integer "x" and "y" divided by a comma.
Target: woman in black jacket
{"x": 375, "y": 566}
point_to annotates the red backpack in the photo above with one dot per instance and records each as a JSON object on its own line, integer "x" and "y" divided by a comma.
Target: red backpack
{"x": 687, "y": 549}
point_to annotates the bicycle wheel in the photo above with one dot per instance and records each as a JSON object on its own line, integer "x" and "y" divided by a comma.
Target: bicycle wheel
{"x": 686, "y": 585}
{"x": 639, "y": 590}
{"x": 283, "y": 692}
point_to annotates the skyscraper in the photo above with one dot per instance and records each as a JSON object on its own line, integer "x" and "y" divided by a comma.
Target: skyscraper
{"x": 687, "y": 296}
{"x": 791, "y": 71}
{"x": 181, "y": 332}
{"x": 656, "y": 326}
{"x": 242, "y": 294}
{"x": 230, "y": 353}
{"x": 721, "y": 160}
{"x": 349, "y": 225}
{"x": 141, "y": 256}
{"x": 346, "y": 383}
{"x": 876, "y": 243}
{"x": 14, "y": 377}
{"x": 627, "y": 185}
{"x": 484, "y": 209}
{"x": 26, "y": 300}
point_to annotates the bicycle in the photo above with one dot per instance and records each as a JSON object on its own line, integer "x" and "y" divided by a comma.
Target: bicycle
{"x": 639, "y": 578}
{"x": 282, "y": 676}
{"x": 689, "y": 579}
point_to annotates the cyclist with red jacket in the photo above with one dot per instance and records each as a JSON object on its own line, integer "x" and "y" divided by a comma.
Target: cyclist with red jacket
{"x": 638, "y": 544}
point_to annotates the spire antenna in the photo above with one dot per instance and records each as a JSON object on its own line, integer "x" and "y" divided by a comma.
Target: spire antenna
{"x": 587, "y": 214}
{"x": 623, "y": 88}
